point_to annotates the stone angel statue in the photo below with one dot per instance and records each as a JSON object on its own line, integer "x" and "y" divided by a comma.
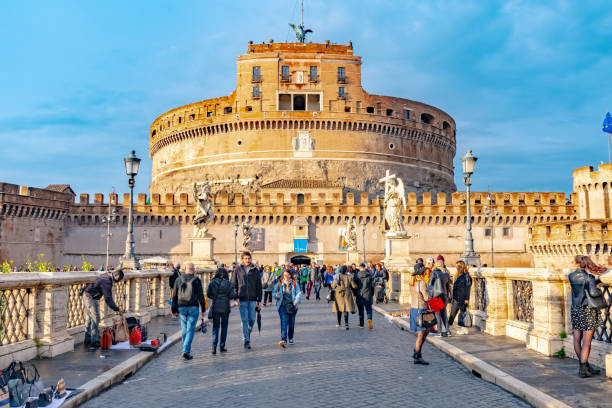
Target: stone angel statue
{"x": 350, "y": 235}
{"x": 246, "y": 233}
{"x": 204, "y": 208}
{"x": 395, "y": 200}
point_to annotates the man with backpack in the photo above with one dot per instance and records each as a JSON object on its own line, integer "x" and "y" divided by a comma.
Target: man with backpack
{"x": 92, "y": 293}
{"x": 304, "y": 273}
{"x": 188, "y": 301}
{"x": 248, "y": 288}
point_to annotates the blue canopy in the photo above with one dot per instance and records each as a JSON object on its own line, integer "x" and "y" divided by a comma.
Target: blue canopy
{"x": 607, "y": 123}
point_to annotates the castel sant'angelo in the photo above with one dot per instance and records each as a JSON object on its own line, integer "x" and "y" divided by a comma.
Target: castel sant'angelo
{"x": 296, "y": 151}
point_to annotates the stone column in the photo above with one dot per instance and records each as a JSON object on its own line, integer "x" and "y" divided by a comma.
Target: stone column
{"x": 548, "y": 308}
{"x": 138, "y": 297}
{"x": 497, "y": 302}
{"x": 51, "y": 320}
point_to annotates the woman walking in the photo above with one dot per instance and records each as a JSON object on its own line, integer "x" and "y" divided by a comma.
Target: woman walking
{"x": 461, "y": 291}
{"x": 288, "y": 297}
{"x": 344, "y": 299}
{"x": 267, "y": 282}
{"x": 221, "y": 291}
{"x": 587, "y": 298}
{"x": 418, "y": 303}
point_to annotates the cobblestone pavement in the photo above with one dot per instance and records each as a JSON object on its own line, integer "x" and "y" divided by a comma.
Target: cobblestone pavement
{"x": 327, "y": 367}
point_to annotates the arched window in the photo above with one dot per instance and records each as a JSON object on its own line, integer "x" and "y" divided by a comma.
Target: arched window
{"x": 427, "y": 119}
{"x": 300, "y": 199}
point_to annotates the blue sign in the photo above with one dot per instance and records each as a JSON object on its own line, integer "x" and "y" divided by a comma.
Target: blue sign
{"x": 300, "y": 245}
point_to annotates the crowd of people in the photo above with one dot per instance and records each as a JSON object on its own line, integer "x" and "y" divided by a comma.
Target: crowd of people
{"x": 436, "y": 299}
{"x": 251, "y": 287}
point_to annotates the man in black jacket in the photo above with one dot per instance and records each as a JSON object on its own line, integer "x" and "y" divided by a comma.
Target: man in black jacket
{"x": 93, "y": 292}
{"x": 365, "y": 294}
{"x": 248, "y": 288}
{"x": 187, "y": 295}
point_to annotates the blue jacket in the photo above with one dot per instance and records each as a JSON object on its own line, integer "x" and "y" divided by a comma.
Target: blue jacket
{"x": 296, "y": 294}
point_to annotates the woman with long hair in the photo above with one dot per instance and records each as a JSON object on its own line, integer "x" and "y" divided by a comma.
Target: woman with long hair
{"x": 462, "y": 283}
{"x": 585, "y": 317}
{"x": 288, "y": 297}
{"x": 221, "y": 291}
{"x": 418, "y": 303}
{"x": 344, "y": 299}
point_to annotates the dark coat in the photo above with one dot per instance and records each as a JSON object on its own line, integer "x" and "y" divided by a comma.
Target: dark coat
{"x": 581, "y": 282}
{"x": 344, "y": 300}
{"x": 175, "y": 274}
{"x": 439, "y": 284}
{"x": 461, "y": 287}
{"x": 221, "y": 292}
{"x": 247, "y": 283}
{"x": 103, "y": 286}
{"x": 198, "y": 293}
{"x": 365, "y": 286}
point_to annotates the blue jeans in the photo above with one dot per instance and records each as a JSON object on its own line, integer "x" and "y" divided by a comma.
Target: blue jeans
{"x": 247, "y": 315}
{"x": 363, "y": 304}
{"x": 287, "y": 323}
{"x": 219, "y": 320}
{"x": 189, "y": 319}
{"x": 317, "y": 287}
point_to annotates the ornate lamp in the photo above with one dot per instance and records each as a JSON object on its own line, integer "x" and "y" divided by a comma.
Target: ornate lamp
{"x": 129, "y": 260}
{"x": 469, "y": 256}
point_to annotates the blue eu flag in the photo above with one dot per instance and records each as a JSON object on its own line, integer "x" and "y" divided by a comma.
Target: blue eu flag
{"x": 607, "y": 123}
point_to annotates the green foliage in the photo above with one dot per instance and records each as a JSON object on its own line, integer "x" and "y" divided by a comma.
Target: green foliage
{"x": 87, "y": 266}
{"x": 40, "y": 265}
{"x": 563, "y": 335}
{"x": 38, "y": 345}
{"x": 560, "y": 352}
{"x": 6, "y": 267}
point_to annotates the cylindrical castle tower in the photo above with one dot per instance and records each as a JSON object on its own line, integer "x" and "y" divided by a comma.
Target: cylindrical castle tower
{"x": 299, "y": 112}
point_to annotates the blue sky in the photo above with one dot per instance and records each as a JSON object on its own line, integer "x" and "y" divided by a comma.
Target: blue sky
{"x": 527, "y": 82}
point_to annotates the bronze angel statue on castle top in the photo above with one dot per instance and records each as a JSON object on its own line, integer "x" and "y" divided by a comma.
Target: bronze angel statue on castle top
{"x": 300, "y": 32}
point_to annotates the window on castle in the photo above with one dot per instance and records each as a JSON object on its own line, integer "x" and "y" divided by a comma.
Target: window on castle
{"x": 347, "y": 108}
{"x": 389, "y": 112}
{"x": 209, "y": 114}
{"x": 506, "y": 202}
{"x": 358, "y": 107}
{"x": 487, "y": 232}
{"x": 300, "y": 200}
{"x": 256, "y": 92}
{"x": 407, "y": 114}
{"x": 285, "y": 73}
{"x": 553, "y": 202}
{"x": 248, "y": 108}
{"x": 227, "y": 110}
{"x": 314, "y": 75}
{"x": 341, "y": 92}
{"x": 522, "y": 202}
{"x": 180, "y": 119}
{"x": 536, "y": 201}
{"x": 506, "y": 232}
{"x": 299, "y": 102}
{"x": 378, "y": 108}
{"x": 284, "y": 102}
{"x": 192, "y": 116}
{"x": 342, "y": 75}
{"x": 256, "y": 74}
{"x": 370, "y": 109}
{"x": 427, "y": 119}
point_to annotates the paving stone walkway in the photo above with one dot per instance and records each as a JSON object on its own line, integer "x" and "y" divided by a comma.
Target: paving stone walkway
{"x": 327, "y": 366}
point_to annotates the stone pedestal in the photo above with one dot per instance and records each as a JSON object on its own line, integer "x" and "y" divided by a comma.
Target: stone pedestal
{"x": 398, "y": 263}
{"x": 497, "y": 303}
{"x": 352, "y": 257}
{"x": 202, "y": 252}
{"x": 51, "y": 321}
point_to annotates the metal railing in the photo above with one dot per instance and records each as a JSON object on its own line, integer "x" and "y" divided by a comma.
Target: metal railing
{"x": 522, "y": 297}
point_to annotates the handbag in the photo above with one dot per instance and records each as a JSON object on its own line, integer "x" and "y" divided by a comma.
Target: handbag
{"x": 465, "y": 319}
{"x": 595, "y": 302}
{"x": 46, "y": 397}
{"x": 121, "y": 329}
{"x": 17, "y": 394}
{"x": 107, "y": 339}
{"x": 290, "y": 308}
{"x": 435, "y": 304}
{"x": 331, "y": 296}
{"x": 426, "y": 319}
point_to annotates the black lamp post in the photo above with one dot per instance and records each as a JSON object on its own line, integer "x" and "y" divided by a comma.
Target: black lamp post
{"x": 469, "y": 256}
{"x": 363, "y": 232}
{"x": 490, "y": 213}
{"x": 129, "y": 259}
{"x": 236, "y": 226}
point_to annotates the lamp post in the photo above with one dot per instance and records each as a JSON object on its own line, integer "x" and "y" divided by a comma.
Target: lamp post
{"x": 363, "y": 231}
{"x": 129, "y": 259}
{"x": 236, "y": 225}
{"x": 112, "y": 217}
{"x": 469, "y": 256}
{"x": 490, "y": 213}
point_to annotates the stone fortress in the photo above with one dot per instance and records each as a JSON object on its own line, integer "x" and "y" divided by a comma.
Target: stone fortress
{"x": 297, "y": 150}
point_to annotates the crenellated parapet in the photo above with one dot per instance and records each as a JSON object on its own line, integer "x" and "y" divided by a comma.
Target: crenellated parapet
{"x": 31, "y": 202}
{"x": 593, "y": 190}
{"x": 330, "y": 207}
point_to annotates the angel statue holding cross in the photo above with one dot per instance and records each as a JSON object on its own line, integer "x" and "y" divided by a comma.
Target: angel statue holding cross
{"x": 395, "y": 200}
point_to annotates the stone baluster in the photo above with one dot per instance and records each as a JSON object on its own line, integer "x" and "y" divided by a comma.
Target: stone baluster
{"x": 548, "y": 311}
{"x": 51, "y": 318}
{"x": 497, "y": 301}
{"x": 138, "y": 297}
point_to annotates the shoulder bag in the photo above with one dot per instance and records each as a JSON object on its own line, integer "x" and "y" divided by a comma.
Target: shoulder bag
{"x": 331, "y": 296}
{"x": 465, "y": 319}
{"x": 121, "y": 330}
{"x": 595, "y": 302}
{"x": 426, "y": 318}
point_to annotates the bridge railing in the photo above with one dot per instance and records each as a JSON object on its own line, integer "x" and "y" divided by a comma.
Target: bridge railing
{"x": 42, "y": 313}
{"x": 532, "y": 305}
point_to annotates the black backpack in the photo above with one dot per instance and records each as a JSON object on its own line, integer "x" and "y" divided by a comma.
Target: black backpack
{"x": 186, "y": 291}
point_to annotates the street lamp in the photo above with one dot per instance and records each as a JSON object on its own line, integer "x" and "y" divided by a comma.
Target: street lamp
{"x": 129, "y": 259}
{"x": 469, "y": 256}
{"x": 490, "y": 213}
{"x": 236, "y": 226}
{"x": 111, "y": 218}
{"x": 363, "y": 231}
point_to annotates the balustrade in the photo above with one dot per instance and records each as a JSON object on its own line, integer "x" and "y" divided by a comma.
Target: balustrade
{"x": 604, "y": 332}
{"x": 43, "y": 312}
{"x": 522, "y": 298}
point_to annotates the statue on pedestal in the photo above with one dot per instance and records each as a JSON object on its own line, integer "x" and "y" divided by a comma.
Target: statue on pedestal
{"x": 204, "y": 208}
{"x": 350, "y": 235}
{"x": 395, "y": 200}
{"x": 246, "y": 233}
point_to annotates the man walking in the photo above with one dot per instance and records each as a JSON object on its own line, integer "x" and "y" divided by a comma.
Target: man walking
{"x": 93, "y": 292}
{"x": 365, "y": 294}
{"x": 304, "y": 273}
{"x": 315, "y": 278}
{"x": 187, "y": 295}
{"x": 247, "y": 285}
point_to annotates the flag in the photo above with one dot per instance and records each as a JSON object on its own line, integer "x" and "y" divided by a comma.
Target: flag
{"x": 607, "y": 123}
